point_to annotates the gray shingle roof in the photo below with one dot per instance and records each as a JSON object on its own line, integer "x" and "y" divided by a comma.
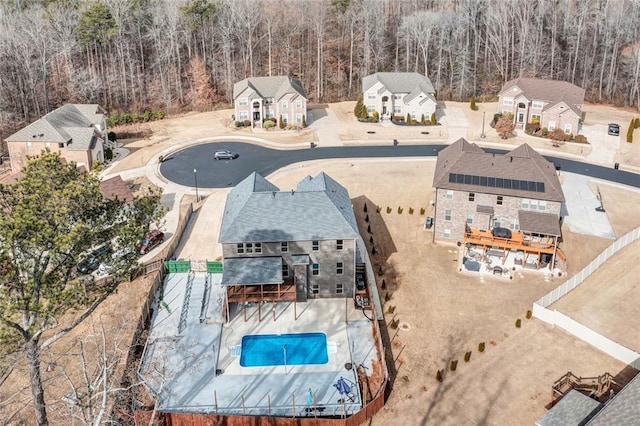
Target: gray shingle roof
{"x": 552, "y": 91}
{"x": 623, "y": 409}
{"x": 252, "y": 270}
{"x": 522, "y": 163}
{"x": 71, "y": 122}
{"x": 572, "y": 410}
{"x": 400, "y": 82}
{"x": 270, "y": 87}
{"x": 539, "y": 223}
{"x": 257, "y": 211}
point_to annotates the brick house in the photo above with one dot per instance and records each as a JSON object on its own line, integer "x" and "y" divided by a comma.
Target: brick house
{"x": 552, "y": 104}
{"x": 77, "y": 131}
{"x": 396, "y": 94}
{"x": 477, "y": 192}
{"x": 289, "y": 245}
{"x": 258, "y": 98}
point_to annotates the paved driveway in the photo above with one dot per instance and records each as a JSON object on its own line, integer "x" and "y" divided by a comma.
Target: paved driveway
{"x": 603, "y": 146}
{"x": 581, "y": 204}
{"x": 456, "y": 121}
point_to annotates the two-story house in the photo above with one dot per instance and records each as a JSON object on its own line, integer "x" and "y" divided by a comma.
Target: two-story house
{"x": 517, "y": 193}
{"x": 552, "y": 104}
{"x": 396, "y": 94}
{"x": 289, "y": 245}
{"x": 257, "y": 99}
{"x": 77, "y": 131}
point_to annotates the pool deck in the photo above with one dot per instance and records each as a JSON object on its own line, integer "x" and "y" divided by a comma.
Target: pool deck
{"x": 189, "y": 343}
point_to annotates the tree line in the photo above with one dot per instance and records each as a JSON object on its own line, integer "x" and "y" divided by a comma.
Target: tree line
{"x": 187, "y": 54}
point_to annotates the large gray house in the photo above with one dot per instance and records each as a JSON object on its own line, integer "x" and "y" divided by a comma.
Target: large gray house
{"x": 396, "y": 94}
{"x": 289, "y": 245}
{"x": 279, "y": 97}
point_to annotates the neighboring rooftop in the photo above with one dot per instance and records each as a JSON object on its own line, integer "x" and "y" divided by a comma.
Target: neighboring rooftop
{"x": 71, "y": 122}
{"x": 399, "y": 82}
{"x": 623, "y": 409}
{"x": 522, "y": 172}
{"x": 319, "y": 209}
{"x": 270, "y": 87}
{"x": 551, "y": 91}
{"x": 572, "y": 410}
{"x": 115, "y": 188}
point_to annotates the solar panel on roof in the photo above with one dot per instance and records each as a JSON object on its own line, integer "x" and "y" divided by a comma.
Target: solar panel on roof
{"x": 539, "y": 186}
{"x": 532, "y": 186}
{"x": 452, "y": 178}
{"x": 467, "y": 179}
{"x": 506, "y": 183}
{"x": 483, "y": 181}
{"x": 459, "y": 178}
{"x": 499, "y": 182}
{"x": 491, "y": 182}
{"x": 475, "y": 180}
{"x": 515, "y": 184}
{"x": 494, "y": 182}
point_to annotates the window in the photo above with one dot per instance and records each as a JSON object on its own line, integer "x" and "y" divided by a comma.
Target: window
{"x": 298, "y": 104}
{"x": 339, "y": 268}
{"x": 315, "y": 269}
{"x": 257, "y": 247}
{"x": 269, "y": 113}
{"x": 249, "y": 248}
{"x": 243, "y": 102}
{"x": 315, "y": 288}
{"x": 525, "y": 203}
{"x": 447, "y": 233}
{"x": 542, "y": 205}
{"x": 567, "y": 128}
{"x": 285, "y": 270}
{"x": 507, "y": 101}
{"x": 472, "y": 196}
{"x": 496, "y": 222}
{"x": 371, "y": 96}
{"x": 29, "y": 146}
{"x": 268, "y": 101}
{"x": 339, "y": 288}
{"x": 298, "y": 118}
{"x": 537, "y": 104}
{"x": 339, "y": 244}
{"x": 284, "y": 247}
{"x": 449, "y": 194}
{"x": 499, "y": 200}
{"x": 535, "y": 118}
{"x": 47, "y": 145}
{"x": 285, "y": 119}
{"x": 397, "y": 109}
{"x": 515, "y": 225}
{"x": 285, "y": 105}
{"x": 315, "y": 245}
{"x": 61, "y": 145}
{"x": 243, "y": 115}
{"x": 413, "y": 115}
{"x": 469, "y": 218}
{"x": 397, "y": 96}
{"x": 370, "y": 109}
{"x": 240, "y": 248}
{"x": 552, "y": 125}
{"x": 447, "y": 215}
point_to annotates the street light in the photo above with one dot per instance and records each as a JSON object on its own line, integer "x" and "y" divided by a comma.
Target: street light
{"x": 195, "y": 177}
{"x": 482, "y": 135}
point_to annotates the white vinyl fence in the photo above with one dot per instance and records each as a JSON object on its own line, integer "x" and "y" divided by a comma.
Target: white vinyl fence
{"x": 568, "y": 324}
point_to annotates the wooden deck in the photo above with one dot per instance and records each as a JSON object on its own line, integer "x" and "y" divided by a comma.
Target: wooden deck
{"x": 262, "y": 293}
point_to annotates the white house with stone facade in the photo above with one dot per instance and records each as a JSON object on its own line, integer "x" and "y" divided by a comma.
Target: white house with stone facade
{"x": 396, "y": 94}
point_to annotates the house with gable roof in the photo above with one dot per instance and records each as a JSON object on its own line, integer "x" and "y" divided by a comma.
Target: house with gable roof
{"x": 396, "y": 94}
{"x": 553, "y": 104}
{"x": 289, "y": 245}
{"x": 256, "y": 99}
{"x": 518, "y": 192}
{"x": 77, "y": 131}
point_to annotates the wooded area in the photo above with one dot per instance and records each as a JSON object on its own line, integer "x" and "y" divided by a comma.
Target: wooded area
{"x": 187, "y": 54}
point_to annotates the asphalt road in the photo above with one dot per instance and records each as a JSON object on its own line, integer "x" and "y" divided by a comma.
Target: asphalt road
{"x": 180, "y": 167}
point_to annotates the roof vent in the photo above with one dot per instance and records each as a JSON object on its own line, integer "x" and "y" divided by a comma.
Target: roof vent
{"x": 292, "y": 192}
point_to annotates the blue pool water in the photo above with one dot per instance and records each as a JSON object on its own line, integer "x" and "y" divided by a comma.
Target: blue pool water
{"x": 262, "y": 350}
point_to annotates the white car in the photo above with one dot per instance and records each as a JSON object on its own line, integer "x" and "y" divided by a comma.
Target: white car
{"x": 225, "y": 154}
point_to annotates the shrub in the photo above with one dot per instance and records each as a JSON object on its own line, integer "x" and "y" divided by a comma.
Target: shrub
{"x": 410, "y": 210}
{"x": 247, "y": 123}
{"x": 373, "y": 250}
{"x": 304, "y": 121}
{"x": 380, "y": 271}
{"x": 108, "y": 154}
{"x": 383, "y": 285}
{"x": 518, "y": 323}
{"x": 422, "y": 119}
{"x": 630, "y": 130}
{"x": 472, "y": 104}
{"x": 581, "y": 139}
{"x": 366, "y": 218}
{"x": 387, "y": 297}
{"x": 391, "y": 309}
{"x": 112, "y": 136}
{"x": 409, "y": 121}
{"x": 268, "y": 124}
{"x": 434, "y": 121}
{"x": 388, "y": 209}
{"x": 481, "y": 347}
{"x": 398, "y": 118}
{"x": 375, "y": 116}
{"x": 558, "y": 135}
{"x": 378, "y": 209}
{"x": 239, "y": 124}
{"x": 399, "y": 210}
{"x": 369, "y": 228}
{"x": 544, "y": 132}
{"x": 280, "y": 122}
{"x": 365, "y": 207}
{"x": 394, "y": 324}
{"x": 531, "y": 128}
{"x": 467, "y": 356}
{"x": 453, "y": 365}
{"x": 529, "y": 314}
{"x": 496, "y": 117}
{"x": 421, "y": 210}
{"x": 439, "y": 376}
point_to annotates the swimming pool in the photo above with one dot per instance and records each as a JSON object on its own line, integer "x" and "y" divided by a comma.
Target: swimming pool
{"x": 263, "y": 350}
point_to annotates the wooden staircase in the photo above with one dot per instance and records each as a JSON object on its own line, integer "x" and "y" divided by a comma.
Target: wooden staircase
{"x": 599, "y": 388}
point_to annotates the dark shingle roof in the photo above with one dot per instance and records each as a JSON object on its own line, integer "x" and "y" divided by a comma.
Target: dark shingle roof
{"x": 270, "y": 87}
{"x": 623, "y": 409}
{"x": 400, "y": 82}
{"x": 115, "y": 188}
{"x": 252, "y": 270}
{"x": 257, "y": 211}
{"x": 551, "y": 91}
{"x": 523, "y": 163}
{"x": 539, "y": 223}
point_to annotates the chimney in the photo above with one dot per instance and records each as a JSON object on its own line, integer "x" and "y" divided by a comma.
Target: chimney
{"x": 511, "y": 159}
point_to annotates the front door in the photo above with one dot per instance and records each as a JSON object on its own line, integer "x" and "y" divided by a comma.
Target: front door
{"x": 256, "y": 116}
